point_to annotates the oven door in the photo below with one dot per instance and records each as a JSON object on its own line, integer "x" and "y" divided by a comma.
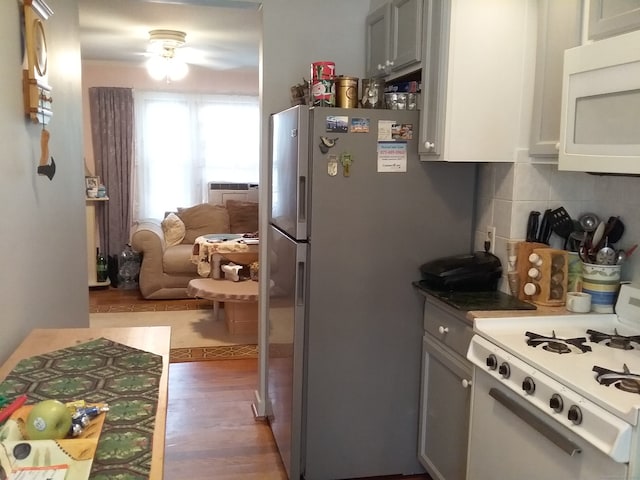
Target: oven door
{"x": 509, "y": 438}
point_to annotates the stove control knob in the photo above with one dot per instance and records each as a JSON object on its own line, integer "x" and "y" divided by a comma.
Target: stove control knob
{"x": 555, "y": 403}
{"x": 492, "y": 362}
{"x": 575, "y": 415}
{"x": 528, "y": 385}
{"x": 504, "y": 370}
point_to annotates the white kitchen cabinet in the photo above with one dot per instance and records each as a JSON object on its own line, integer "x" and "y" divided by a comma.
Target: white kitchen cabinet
{"x": 477, "y": 70}
{"x": 394, "y": 38}
{"x": 612, "y": 17}
{"x": 559, "y": 27}
{"x": 446, "y": 394}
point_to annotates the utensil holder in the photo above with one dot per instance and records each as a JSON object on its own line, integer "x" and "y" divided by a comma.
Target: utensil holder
{"x": 602, "y": 282}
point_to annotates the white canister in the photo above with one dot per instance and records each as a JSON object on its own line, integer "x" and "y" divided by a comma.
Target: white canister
{"x": 602, "y": 283}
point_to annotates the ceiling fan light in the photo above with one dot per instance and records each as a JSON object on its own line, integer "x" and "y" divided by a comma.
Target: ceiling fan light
{"x": 177, "y": 70}
{"x": 164, "y": 65}
{"x": 166, "y": 68}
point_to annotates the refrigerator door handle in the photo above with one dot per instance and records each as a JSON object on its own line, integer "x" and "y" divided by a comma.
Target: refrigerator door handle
{"x": 300, "y": 277}
{"x": 302, "y": 199}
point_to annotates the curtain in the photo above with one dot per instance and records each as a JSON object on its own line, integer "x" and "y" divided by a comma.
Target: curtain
{"x": 112, "y": 133}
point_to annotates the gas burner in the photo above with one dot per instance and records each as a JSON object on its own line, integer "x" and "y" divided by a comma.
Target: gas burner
{"x": 557, "y": 345}
{"x": 614, "y": 340}
{"x": 625, "y": 380}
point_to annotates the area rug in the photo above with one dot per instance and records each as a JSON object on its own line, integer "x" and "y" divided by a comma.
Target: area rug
{"x": 195, "y": 334}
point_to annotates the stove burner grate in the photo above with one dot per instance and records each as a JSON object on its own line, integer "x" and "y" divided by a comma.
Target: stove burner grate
{"x": 614, "y": 340}
{"x": 557, "y": 345}
{"x": 625, "y": 380}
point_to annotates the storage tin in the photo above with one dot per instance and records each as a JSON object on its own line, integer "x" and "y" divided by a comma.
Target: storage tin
{"x": 323, "y": 93}
{"x": 322, "y": 71}
{"x": 346, "y": 91}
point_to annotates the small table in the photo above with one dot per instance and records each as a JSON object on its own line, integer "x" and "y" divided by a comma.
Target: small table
{"x": 240, "y": 300}
{"x": 214, "y": 248}
{"x": 151, "y": 339}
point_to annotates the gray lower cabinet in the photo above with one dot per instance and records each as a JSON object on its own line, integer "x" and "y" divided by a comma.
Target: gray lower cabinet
{"x": 559, "y": 26}
{"x": 446, "y": 392}
{"x": 612, "y": 17}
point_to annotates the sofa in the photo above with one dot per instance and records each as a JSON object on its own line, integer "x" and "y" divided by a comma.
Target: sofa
{"x": 166, "y": 245}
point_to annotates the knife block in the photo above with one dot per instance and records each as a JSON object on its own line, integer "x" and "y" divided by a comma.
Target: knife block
{"x": 551, "y": 283}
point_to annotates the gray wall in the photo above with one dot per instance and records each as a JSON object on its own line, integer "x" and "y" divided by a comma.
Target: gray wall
{"x": 42, "y": 241}
{"x": 296, "y": 33}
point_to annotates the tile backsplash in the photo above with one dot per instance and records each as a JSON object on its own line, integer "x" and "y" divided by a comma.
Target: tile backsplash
{"x": 507, "y": 192}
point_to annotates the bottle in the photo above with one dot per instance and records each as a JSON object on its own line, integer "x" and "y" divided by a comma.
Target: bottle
{"x": 101, "y": 267}
{"x": 128, "y": 268}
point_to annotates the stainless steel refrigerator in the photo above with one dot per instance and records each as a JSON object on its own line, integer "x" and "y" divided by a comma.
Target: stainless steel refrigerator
{"x": 354, "y": 213}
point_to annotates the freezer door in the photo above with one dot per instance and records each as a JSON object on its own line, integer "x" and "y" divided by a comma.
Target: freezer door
{"x": 285, "y": 387}
{"x": 289, "y": 171}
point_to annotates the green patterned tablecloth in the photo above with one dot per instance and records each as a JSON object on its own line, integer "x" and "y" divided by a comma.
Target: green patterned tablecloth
{"x": 100, "y": 371}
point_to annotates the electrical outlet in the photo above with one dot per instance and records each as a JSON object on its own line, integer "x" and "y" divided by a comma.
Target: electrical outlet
{"x": 491, "y": 238}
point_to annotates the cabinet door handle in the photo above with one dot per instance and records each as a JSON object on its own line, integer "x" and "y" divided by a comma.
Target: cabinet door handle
{"x": 380, "y": 67}
{"x": 429, "y": 145}
{"x": 466, "y": 383}
{"x": 443, "y": 330}
{"x": 389, "y": 63}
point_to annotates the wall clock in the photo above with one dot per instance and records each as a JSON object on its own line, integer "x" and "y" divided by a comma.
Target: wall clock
{"x": 36, "y": 91}
{"x": 40, "y": 48}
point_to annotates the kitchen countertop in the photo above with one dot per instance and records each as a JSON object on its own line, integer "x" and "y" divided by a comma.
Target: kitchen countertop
{"x": 473, "y": 315}
{"x": 541, "y": 311}
{"x": 151, "y": 339}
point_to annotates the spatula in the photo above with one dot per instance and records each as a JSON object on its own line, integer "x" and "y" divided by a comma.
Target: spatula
{"x": 561, "y": 224}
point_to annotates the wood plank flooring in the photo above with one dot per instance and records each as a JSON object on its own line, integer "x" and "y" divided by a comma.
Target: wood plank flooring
{"x": 211, "y": 432}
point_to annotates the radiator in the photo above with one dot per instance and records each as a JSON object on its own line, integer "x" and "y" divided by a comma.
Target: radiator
{"x": 220, "y": 192}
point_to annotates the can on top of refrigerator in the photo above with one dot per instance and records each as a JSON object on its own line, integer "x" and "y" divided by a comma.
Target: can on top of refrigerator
{"x": 346, "y": 91}
{"x": 323, "y": 93}
{"x": 323, "y": 71}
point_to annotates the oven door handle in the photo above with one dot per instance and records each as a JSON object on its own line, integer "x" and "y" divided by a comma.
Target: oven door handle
{"x": 547, "y": 431}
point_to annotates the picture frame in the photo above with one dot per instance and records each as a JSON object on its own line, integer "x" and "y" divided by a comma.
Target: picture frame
{"x": 91, "y": 182}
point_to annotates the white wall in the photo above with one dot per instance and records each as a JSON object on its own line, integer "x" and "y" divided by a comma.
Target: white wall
{"x": 509, "y": 191}
{"x": 43, "y": 243}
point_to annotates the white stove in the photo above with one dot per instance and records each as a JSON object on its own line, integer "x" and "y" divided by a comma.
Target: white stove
{"x": 546, "y": 371}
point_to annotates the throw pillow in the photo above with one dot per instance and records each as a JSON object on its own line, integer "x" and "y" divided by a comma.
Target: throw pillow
{"x": 173, "y": 229}
{"x": 203, "y": 219}
{"x": 243, "y": 216}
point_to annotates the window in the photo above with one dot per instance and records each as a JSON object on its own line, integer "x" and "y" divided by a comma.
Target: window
{"x": 185, "y": 141}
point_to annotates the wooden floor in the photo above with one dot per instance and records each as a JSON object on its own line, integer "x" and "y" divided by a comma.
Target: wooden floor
{"x": 211, "y": 430}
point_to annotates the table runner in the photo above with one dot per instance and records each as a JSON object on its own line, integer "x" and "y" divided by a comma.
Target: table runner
{"x": 100, "y": 371}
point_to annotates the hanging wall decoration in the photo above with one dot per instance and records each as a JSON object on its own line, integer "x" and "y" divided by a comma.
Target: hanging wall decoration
{"x": 36, "y": 90}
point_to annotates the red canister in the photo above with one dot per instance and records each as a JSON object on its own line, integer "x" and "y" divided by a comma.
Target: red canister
{"x": 323, "y": 93}
{"x": 322, "y": 71}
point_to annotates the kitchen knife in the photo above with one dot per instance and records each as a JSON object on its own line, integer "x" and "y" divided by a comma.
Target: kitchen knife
{"x": 532, "y": 226}
{"x": 545, "y": 228}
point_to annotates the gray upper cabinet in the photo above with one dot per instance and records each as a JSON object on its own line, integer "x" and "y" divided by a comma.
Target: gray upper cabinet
{"x": 394, "y": 38}
{"x": 613, "y": 17}
{"x": 477, "y": 59}
{"x": 558, "y": 29}
{"x": 377, "y": 41}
